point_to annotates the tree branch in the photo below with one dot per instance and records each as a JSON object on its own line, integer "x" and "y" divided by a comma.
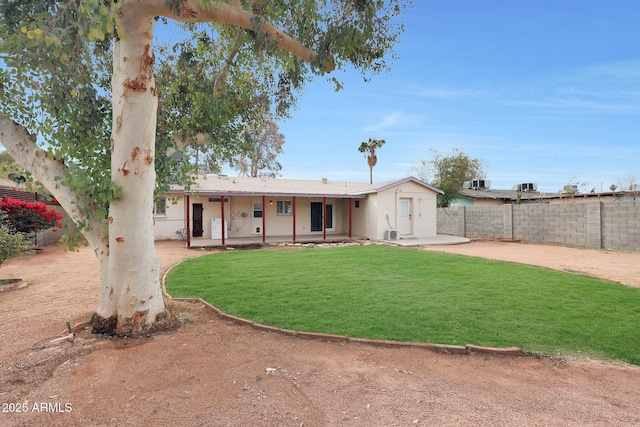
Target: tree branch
{"x": 237, "y": 43}
{"x": 222, "y": 12}
{"x": 48, "y": 171}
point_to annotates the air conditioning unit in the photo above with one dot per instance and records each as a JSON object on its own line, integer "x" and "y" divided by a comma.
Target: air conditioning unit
{"x": 392, "y": 235}
{"x": 477, "y": 184}
{"x": 528, "y": 186}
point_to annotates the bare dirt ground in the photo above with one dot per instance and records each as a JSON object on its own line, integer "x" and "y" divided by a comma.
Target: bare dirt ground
{"x": 215, "y": 373}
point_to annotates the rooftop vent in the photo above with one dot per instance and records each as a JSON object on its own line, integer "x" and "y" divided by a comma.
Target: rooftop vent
{"x": 325, "y": 181}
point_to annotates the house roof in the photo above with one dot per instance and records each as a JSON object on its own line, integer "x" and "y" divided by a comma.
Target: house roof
{"x": 9, "y": 188}
{"x": 7, "y": 183}
{"x": 505, "y": 195}
{"x": 244, "y": 186}
{"x": 512, "y": 195}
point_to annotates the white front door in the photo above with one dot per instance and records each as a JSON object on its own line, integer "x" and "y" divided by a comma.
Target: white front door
{"x": 256, "y": 216}
{"x": 405, "y": 225}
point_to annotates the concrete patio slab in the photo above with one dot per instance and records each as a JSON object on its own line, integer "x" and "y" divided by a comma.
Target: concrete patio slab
{"x": 440, "y": 239}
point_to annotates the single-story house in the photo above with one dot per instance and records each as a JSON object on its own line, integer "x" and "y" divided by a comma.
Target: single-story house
{"x": 219, "y": 210}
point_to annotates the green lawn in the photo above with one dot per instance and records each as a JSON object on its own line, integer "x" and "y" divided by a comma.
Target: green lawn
{"x": 405, "y": 294}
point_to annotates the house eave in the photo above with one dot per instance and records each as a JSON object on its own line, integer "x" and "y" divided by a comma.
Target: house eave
{"x": 395, "y": 183}
{"x": 264, "y": 193}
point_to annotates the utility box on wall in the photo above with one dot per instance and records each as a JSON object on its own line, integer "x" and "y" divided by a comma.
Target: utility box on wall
{"x": 217, "y": 228}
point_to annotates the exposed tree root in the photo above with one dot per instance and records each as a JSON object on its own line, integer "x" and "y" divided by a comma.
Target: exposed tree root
{"x": 134, "y": 326}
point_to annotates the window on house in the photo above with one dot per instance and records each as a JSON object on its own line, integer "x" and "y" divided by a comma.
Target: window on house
{"x": 404, "y": 209}
{"x": 160, "y": 206}
{"x": 284, "y": 207}
{"x": 257, "y": 210}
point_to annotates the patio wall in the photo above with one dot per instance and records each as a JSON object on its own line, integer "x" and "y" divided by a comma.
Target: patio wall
{"x": 599, "y": 225}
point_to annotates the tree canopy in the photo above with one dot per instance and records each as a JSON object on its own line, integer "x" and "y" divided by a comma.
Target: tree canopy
{"x": 264, "y": 143}
{"x": 369, "y": 148}
{"x": 83, "y": 112}
{"x": 448, "y": 172}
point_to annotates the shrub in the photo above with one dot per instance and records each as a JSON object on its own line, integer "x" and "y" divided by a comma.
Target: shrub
{"x": 29, "y": 217}
{"x": 12, "y": 244}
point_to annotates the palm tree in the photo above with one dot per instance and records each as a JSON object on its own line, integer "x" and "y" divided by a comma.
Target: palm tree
{"x": 369, "y": 150}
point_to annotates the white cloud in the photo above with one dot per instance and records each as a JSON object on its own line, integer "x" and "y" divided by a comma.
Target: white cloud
{"x": 418, "y": 90}
{"x": 612, "y": 88}
{"x": 393, "y": 119}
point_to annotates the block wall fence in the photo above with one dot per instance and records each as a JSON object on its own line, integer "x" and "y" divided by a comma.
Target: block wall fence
{"x": 597, "y": 225}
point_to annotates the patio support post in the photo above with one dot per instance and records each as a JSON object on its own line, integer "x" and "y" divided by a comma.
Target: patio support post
{"x": 224, "y": 228}
{"x": 294, "y": 218}
{"x": 188, "y": 228}
{"x": 324, "y": 218}
{"x": 350, "y": 216}
{"x": 264, "y": 214}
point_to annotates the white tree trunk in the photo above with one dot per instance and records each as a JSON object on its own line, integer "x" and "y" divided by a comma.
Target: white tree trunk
{"x": 131, "y": 299}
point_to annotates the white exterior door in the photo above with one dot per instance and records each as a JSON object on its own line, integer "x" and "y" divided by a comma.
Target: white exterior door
{"x": 405, "y": 224}
{"x": 256, "y": 216}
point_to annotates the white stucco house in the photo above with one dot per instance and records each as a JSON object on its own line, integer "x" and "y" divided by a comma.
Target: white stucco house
{"x": 221, "y": 210}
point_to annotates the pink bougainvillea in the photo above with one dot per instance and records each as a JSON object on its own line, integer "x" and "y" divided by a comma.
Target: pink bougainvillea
{"x": 29, "y": 217}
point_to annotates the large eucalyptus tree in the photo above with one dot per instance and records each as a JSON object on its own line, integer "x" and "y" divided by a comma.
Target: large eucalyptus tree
{"x": 79, "y": 106}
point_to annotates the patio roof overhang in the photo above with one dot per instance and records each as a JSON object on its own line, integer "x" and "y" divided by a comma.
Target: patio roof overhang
{"x": 266, "y": 194}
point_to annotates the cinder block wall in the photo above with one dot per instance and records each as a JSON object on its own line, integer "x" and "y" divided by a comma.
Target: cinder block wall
{"x": 599, "y": 225}
{"x": 447, "y": 221}
{"x": 620, "y": 225}
{"x": 484, "y": 221}
{"x": 52, "y": 235}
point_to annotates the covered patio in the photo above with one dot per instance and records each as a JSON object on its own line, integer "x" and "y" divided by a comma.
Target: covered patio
{"x": 203, "y": 242}
{"x": 268, "y": 221}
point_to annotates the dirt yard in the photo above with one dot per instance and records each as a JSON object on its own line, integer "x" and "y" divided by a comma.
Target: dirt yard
{"x": 215, "y": 373}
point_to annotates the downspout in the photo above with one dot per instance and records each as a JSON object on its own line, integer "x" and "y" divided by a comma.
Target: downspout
{"x": 396, "y": 212}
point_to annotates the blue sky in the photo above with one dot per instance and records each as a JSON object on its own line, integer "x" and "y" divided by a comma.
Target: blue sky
{"x": 545, "y": 92}
{"x": 542, "y": 91}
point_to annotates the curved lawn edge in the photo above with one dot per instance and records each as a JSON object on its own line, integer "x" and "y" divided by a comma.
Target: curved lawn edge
{"x": 438, "y": 348}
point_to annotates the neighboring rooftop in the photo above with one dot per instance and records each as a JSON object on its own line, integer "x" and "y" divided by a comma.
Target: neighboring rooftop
{"x": 508, "y": 196}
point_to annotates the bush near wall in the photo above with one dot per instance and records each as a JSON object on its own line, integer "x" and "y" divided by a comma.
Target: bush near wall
{"x": 29, "y": 217}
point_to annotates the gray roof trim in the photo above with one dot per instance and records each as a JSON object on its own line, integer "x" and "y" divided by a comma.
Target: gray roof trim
{"x": 390, "y": 184}
{"x": 265, "y": 193}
